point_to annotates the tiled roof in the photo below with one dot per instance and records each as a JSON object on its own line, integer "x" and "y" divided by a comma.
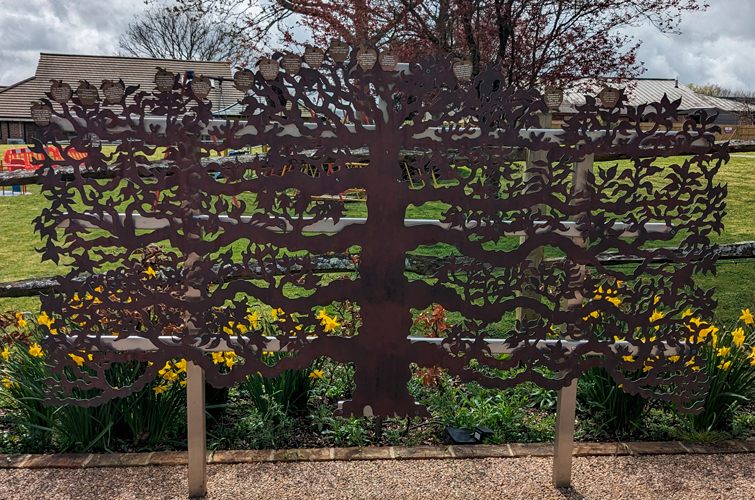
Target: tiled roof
{"x": 647, "y": 90}
{"x": 16, "y": 99}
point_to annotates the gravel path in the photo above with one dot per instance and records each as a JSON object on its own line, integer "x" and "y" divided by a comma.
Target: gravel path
{"x": 682, "y": 477}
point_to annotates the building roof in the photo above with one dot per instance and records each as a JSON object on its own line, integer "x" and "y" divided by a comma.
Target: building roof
{"x": 647, "y": 90}
{"x": 16, "y": 99}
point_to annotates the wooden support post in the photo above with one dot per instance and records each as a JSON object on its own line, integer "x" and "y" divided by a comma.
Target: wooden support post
{"x": 564, "y": 444}
{"x": 567, "y": 397}
{"x": 536, "y": 256}
{"x": 197, "y": 430}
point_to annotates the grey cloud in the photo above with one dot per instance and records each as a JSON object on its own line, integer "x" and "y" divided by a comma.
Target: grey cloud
{"x": 29, "y": 27}
{"x": 716, "y": 46}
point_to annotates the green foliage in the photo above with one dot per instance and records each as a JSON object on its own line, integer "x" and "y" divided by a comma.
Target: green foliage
{"x": 288, "y": 392}
{"x": 617, "y": 412}
{"x": 344, "y": 431}
{"x": 470, "y": 405}
{"x": 729, "y": 360}
{"x": 146, "y": 418}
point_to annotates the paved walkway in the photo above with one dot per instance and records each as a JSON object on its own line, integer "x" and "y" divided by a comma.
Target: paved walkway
{"x": 673, "y": 477}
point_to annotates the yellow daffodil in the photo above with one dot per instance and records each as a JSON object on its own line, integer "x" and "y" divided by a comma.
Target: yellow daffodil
{"x": 593, "y": 314}
{"x": 77, "y": 359}
{"x": 277, "y": 312}
{"x": 751, "y": 356}
{"x": 22, "y": 323}
{"x": 619, "y": 339}
{"x": 181, "y": 366}
{"x": 673, "y": 359}
{"x": 614, "y": 300}
{"x": 330, "y": 324}
{"x": 150, "y": 272}
{"x": 724, "y": 351}
{"x": 160, "y": 389}
{"x": 316, "y": 374}
{"x": 230, "y": 358}
{"x": 656, "y": 316}
{"x": 242, "y": 328}
{"x": 724, "y": 365}
{"x": 99, "y": 289}
{"x": 44, "y": 319}
{"x": 253, "y": 320}
{"x": 738, "y": 337}
{"x": 7, "y": 382}
{"x": 36, "y": 351}
{"x": 686, "y": 313}
{"x": 322, "y": 313}
{"x": 747, "y": 317}
{"x": 217, "y": 357}
{"x": 628, "y": 359}
{"x": 656, "y": 299}
{"x": 6, "y": 353}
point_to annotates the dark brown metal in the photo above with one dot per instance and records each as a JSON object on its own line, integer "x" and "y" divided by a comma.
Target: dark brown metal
{"x": 467, "y": 135}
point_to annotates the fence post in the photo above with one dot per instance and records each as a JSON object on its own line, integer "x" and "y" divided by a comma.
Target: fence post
{"x": 196, "y": 430}
{"x": 564, "y": 443}
{"x": 567, "y": 397}
{"x": 535, "y": 257}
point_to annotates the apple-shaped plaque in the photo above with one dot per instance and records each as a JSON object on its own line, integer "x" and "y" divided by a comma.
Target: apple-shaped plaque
{"x": 87, "y": 93}
{"x": 113, "y": 91}
{"x": 366, "y": 58}
{"x": 313, "y": 56}
{"x": 553, "y": 98}
{"x": 388, "y": 60}
{"x": 41, "y": 113}
{"x": 269, "y": 68}
{"x": 609, "y": 97}
{"x": 200, "y": 86}
{"x": 462, "y": 70}
{"x": 164, "y": 80}
{"x": 60, "y": 92}
{"x": 291, "y": 63}
{"x": 338, "y": 50}
{"x": 243, "y": 80}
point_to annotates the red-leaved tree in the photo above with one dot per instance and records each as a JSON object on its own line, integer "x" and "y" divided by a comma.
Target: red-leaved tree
{"x": 537, "y": 42}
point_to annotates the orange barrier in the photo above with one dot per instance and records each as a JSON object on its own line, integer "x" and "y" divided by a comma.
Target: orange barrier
{"x": 27, "y": 155}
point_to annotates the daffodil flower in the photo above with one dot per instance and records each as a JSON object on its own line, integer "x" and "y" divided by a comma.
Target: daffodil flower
{"x": 738, "y": 337}
{"x": 36, "y": 351}
{"x": 747, "y": 317}
{"x": 316, "y": 374}
{"x": 77, "y": 359}
{"x": 6, "y": 353}
{"x": 150, "y": 272}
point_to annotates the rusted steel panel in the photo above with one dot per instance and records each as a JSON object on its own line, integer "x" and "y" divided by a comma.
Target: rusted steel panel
{"x": 465, "y": 138}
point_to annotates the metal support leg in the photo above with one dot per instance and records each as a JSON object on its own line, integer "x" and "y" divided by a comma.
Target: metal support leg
{"x": 562, "y": 454}
{"x": 197, "y": 430}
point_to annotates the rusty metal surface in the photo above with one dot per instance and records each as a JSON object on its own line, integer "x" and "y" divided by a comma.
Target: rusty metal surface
{"x": 469, "y": 132}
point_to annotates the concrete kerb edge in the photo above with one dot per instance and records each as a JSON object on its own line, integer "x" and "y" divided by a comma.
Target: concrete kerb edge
{"x": 520, "y": 450}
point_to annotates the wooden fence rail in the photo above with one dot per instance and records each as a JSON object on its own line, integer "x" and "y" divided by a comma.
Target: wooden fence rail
{"x": 418, "y": 264}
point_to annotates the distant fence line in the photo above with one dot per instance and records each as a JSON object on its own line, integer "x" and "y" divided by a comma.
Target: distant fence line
{"x": 418, "y": 264}
{"x": 26, "y": 177}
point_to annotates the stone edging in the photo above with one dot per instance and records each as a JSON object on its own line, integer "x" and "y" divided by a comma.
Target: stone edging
{"x": 512, "y": 450}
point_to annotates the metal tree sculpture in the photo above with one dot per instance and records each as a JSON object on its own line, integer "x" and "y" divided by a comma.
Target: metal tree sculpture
{"x": 225, "y": 260}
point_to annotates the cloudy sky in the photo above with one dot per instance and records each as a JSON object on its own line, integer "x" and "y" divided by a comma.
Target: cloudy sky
{"x": 716, "y": 46}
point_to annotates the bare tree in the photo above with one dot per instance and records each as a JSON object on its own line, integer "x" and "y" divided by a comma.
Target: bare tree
{"x": 161, "y": 33}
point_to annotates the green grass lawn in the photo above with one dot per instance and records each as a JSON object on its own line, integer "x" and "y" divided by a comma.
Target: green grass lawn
{"x": 734, "y": 281}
